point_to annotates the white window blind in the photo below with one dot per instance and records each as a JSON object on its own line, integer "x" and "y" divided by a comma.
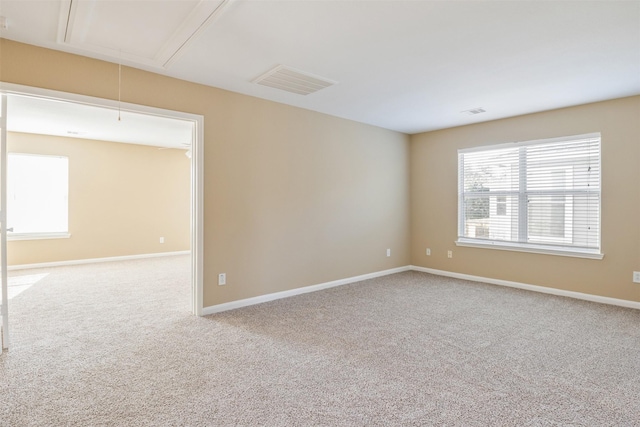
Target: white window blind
{"x": 37, "y": 193}
{"x": 538, "y": 194}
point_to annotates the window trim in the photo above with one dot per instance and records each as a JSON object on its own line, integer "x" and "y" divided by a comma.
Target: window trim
{"x": 570, "y": 251}
{"x": 531, "y": 248}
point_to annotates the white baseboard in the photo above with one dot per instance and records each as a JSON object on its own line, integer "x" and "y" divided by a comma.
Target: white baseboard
{"x": 94, "y": 260}
{"x": 297, "y": 291}
{"x": 534, "y": 288}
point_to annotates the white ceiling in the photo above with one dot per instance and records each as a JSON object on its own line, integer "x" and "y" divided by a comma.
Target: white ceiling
{"x": 53, "y": 117}
{"x": 410, "y": 66}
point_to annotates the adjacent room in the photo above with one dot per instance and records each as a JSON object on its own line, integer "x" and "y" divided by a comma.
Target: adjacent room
{"x": 388, "y": 213}
{"x": 86, "y": 182}
{"x": 87, "y": 185}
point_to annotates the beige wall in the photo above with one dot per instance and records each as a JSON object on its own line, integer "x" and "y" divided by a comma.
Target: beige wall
{"x": 295, "y": 198}
{"x": 292, "y": 197}
{"x": 434, "y": 200}
{"x": 122, "y": 199}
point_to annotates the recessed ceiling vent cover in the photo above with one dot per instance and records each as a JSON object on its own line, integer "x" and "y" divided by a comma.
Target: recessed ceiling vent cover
{"x": 292, "y": 80}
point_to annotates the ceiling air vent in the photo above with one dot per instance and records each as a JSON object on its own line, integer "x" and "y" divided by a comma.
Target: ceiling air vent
{"x": 474, "y": 111}
{"x": 291, "y": 80}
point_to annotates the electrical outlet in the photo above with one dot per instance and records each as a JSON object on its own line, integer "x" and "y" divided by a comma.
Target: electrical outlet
{"x": 388, "y": 252}
{"x": 162, "y": 240}
{"x": 428, "y": 252}
{"x": 636, "y": 276}
{"x": 222, "y": 279}
{"x": 449, "y": 254}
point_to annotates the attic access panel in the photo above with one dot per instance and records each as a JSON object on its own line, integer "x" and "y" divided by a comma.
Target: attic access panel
{"x": 137, "y": 31}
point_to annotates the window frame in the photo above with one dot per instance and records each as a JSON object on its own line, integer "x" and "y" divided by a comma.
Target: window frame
{"x": 522, "y": 219}
{"x": 41, "y": 235}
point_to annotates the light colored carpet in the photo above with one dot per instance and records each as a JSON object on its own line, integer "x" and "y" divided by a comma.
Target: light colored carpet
{"x": 114, "y": 345}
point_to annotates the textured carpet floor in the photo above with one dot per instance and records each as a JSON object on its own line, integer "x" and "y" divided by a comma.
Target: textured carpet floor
{"x": 114, "y": 345}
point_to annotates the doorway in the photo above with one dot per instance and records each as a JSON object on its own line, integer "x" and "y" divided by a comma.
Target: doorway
{"x": 194, "y": 152}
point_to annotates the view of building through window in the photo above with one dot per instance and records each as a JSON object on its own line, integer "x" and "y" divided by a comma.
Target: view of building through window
{"x": 542, "y": 193}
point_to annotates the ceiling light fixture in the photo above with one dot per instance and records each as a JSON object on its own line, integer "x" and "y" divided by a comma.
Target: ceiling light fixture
{"x": 474, "y": 111}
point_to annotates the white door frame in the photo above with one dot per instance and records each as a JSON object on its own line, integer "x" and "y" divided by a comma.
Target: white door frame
{"x": 197, "y": 167}
{"x": 4, "y": 307}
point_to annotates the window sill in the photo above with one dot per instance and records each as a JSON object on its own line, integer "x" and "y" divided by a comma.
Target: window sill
{"x": 37, "y": 236}
{"x": 536, "y": 249}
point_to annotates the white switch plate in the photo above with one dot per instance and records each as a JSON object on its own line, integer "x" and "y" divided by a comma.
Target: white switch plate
{"x": 222, "y": 279}
{"x": 449, "y": 254}
{"x": 388, "y": 252}
{"x": 428, "y": 252}
{"x": 636, "y": 276}
{"x": 162, "y": 240}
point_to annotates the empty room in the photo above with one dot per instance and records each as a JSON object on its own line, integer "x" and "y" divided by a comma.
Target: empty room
{"x": 390, "y": 213}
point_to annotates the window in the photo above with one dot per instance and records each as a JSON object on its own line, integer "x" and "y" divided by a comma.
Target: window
{"x": 37, "y": 195}
{"x": 539, "y": 196}
{"x": 501, "y": 205}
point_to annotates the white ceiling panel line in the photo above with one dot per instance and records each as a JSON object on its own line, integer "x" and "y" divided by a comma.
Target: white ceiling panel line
{"x": 137, "y": 32}
{"x": 172, "y": 51}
